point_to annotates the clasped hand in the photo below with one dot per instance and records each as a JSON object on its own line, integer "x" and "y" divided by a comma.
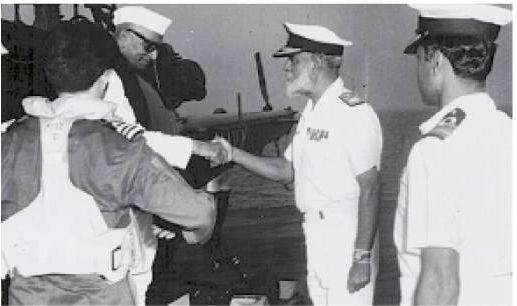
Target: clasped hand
{"x": 218, "y": 151}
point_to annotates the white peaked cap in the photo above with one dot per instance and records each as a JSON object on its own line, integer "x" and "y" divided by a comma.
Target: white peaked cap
{"x": 480, "y": 12}
{"x": 311, "y": 38}
{"x": 317, "y": 33}
{"x": 458, "y": 20}
{"x": 143, "y": 17}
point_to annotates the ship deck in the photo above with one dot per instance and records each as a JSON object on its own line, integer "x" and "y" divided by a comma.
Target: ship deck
{"x": 260, "y": 247}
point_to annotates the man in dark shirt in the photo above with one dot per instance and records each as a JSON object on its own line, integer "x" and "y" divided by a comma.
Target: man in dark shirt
{"x": 139, "y": 34}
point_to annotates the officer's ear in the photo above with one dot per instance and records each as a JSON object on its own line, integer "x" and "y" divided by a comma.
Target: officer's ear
{"x": 437, "y": 59}
{"x": 317, "y": 60}
{"x": 442, "y": 64}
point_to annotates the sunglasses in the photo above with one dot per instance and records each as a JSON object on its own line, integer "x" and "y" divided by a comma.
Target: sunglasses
{"x": 149, "y": 45}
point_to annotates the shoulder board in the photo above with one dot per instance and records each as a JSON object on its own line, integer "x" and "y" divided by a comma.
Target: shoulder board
{"x": 128, "y": 130}
{"x": 447, "y": 125}
{"x": 7, "y": 125}
{"x": 351, "y": 99}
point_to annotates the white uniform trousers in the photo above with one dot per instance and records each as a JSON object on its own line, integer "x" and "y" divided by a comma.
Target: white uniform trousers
{"x": 330, "y": 245}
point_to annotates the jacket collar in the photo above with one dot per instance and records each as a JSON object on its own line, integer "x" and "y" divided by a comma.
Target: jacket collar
{"x": 334, "y": 90}
{"x": 69, "y": 108}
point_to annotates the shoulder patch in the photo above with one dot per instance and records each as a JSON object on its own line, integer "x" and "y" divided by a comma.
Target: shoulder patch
{"x": 447, "y": 125}
{"x": 7, "y": 125}
{"x": 351, "y": 99}
{"x": 128, "y": 130}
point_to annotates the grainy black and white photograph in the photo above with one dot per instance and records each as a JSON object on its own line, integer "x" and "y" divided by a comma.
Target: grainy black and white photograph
{"x": 256, "y": 154}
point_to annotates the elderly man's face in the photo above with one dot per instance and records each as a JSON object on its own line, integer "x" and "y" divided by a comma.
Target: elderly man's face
{"x": 299, "y": 69}
{"x": 139, "y": 45}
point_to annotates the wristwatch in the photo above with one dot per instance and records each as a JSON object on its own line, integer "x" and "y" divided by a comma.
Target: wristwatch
{"x": 362, "y": 256}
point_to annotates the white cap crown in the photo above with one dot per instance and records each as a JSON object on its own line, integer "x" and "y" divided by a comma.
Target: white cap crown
{"x": 143, "y": 17}
{"x": 480, "y": 12}
{"x": 317, "y": 33}
{"x": 311, "y": 38}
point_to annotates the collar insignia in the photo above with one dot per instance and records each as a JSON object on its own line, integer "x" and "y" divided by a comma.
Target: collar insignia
{"x": 351, "y": 99}
{"x": 448, "y": 124}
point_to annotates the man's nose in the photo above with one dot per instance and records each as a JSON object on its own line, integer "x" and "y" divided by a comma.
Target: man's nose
{"x": 153, "y": 55}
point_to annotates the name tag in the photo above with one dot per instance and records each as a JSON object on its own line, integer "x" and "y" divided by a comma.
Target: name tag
{"x": 317, "y": 134}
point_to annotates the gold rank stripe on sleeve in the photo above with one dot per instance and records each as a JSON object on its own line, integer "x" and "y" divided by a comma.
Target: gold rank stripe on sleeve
{"x": 447, "y": 125}
{"x": 129, "y": 131}
{"x": 351, "y": 99}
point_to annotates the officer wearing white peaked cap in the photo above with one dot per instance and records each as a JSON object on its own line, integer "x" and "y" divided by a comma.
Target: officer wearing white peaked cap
{"x": 453, "y": 225}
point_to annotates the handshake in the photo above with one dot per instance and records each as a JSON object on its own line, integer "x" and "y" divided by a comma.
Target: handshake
{"x": 219, "y": 151}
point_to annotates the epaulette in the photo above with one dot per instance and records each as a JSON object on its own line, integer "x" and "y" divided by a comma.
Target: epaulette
{"x": 351, "y": 99}
{"x": 128, "y": 130}
{"x": 6, "y": 126}
{"x": 447, "y": 125}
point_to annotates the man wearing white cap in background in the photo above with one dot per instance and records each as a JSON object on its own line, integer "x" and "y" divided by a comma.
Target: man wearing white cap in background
{"x": 138, "y": 34}
{"x": 139, "y": 31}
{"x": 453, "y": 227}
{"x": 334, "y": 159}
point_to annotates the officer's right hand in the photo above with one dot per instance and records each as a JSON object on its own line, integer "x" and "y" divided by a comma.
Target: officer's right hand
{"x": 215, "y": 152}
{"x": 228, "y": 149}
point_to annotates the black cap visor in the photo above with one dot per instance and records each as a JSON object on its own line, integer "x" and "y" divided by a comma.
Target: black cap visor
{"x": 287, "y": 51}
{"x": 413, "y": 45}
{"x": 296, "y": 44}
{"x": 456, "y": 27}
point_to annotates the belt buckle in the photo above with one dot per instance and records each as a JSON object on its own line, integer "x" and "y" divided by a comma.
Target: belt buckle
{"x": 118, "y": 253}
{"x": 311, "y": 215}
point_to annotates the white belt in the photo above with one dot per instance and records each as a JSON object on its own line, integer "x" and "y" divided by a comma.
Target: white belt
{"x": 330, "y": 213}
{"x": 313, "y": 215}
{"x": 110, "y": 254}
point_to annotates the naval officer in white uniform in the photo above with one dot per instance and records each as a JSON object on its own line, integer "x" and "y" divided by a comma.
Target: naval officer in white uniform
{"x": 453, "y": 227}
{"x": 334, "y": 160}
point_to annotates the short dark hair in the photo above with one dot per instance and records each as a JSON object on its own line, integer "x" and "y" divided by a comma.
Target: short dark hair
{"x": 76, "y": 54}
{"x": 471, "y": 57}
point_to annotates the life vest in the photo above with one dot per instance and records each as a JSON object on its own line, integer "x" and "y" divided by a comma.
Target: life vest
{"x": 62, "y": 231}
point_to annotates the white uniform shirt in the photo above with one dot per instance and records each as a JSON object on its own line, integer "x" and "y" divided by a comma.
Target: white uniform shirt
{"x": 333, "y": 143}
{"x": 458, "y": 195}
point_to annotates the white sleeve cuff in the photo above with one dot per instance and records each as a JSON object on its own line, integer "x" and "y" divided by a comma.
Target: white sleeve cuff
{"x": 288, "y": 153}
{"x": 176, "y": 150}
